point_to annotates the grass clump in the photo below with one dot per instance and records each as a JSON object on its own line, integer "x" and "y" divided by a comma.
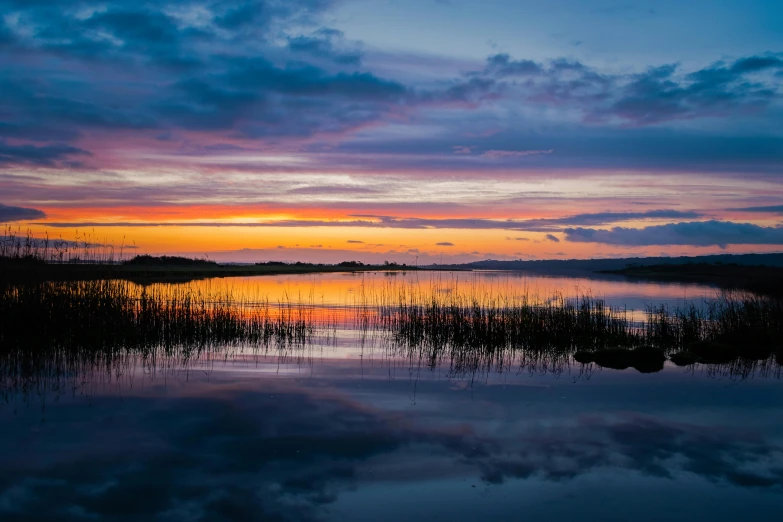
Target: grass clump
{"x": 492, "y": 329}
{"x": 53, "y": 329}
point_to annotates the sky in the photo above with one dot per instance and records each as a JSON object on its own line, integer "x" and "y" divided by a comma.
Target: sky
{"x": 409, "y": 131}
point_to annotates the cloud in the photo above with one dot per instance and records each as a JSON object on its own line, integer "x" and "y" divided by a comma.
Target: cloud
{"x": 379, "y": 221}
{"x": 325, "y": 43}
{"x": 773, "y": 209}
{"x": 8, "y": 213}
{"x": 601, "y": 218}
{"x": 694, "y": 233}
{"x": 494, "y": 154}
{"x": 355, "y": 242}
{"x": 182, "y": 78}
{"x": 46, "y": 155}
{"x": 272, "y": 71}
{"x": 319, "y": 190}
{"x": 445, "y": 243}
{"x": 501, "y": 66}
{"x": 108, "y": 77}
{"x": 657, "y": 95}
{"x": 550, "y": 237}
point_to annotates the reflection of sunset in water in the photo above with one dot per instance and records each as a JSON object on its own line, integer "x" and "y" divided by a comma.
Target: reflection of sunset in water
{"x": 335, "y": 297}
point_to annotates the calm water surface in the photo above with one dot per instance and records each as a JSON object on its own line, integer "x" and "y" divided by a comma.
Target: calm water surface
{"x": 347, "y": 430}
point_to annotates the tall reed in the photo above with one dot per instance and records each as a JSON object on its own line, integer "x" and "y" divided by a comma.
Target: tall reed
{"x": 17, "y": 246}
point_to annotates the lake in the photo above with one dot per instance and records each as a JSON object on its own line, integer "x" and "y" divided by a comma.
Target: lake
{"x": 355, "y": 425}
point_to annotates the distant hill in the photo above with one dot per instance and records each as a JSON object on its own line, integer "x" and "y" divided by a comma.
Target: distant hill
{"x": 602, "y": 265}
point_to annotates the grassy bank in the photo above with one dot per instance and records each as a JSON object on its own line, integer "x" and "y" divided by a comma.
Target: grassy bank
{"x": 26, "y": 271}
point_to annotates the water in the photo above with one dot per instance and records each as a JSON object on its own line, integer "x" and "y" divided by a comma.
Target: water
{"x": 347, "y": 429}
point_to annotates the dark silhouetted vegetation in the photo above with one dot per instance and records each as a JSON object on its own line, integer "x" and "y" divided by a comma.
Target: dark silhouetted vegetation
{"x": 147, "y": 260}
{"x": 51, "y": 329}
{"x": 24, "y": 257}
{"x": 494, "y": 330}
{"x": 766, "y": 280}
{"x": 350, "y": 264}
{"x": 67, "y": 329}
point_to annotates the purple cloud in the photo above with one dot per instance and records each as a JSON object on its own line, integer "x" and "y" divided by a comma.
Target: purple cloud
{"x": 494, "y": 154}
{"x": 8, "y": 213}
{"x": 694, "y": 233}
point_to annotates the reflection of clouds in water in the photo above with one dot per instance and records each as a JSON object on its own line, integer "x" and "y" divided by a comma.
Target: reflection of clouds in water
{"x": 238, "y": 456}
{"x": 285, "y": 453}
{"x": 643, "y": 444}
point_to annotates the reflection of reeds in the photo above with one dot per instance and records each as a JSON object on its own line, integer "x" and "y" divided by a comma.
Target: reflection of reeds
{"x": 481, "y": 329}
{"x": 55, "y": 328}
{"x": 486, "y": 321}
{"x": 65, "y": 330}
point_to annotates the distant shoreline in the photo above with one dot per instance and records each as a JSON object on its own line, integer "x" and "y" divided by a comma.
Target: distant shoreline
{"x": 758, "y": 273}
{"x": 175, "y": 273}
{"x": 765, "y": 280}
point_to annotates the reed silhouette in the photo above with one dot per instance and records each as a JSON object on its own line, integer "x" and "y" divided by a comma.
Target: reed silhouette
{"x": 52, "y": 334}
{"x": 50, "y": 330}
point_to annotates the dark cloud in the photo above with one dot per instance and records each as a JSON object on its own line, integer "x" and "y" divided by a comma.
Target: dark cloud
{"x": 445, "y": 243}
{"x": 550, "y": 237}
{"x": 6, "y": 36}
{"x": 694, "y": 233}
{"x": 773, "y": 209}
{"x": 325, "y": 43}
{"x": 599, "y": 147}
{"x": 601, "y": 218}
{"x": 8, "y": 213}
{"x": 193, "y": 85}
{"x": 270, "y": 70}
{"x": 657, "y": 95}
{"x": 355, "y": 241}
{"x": 756, "y": 63}
{"x": 263, "y": 14}
{"x": 256, "y": 98}
{"x": 501, "y": 65}
{"x": 495, "y": 154}
{"x": 48, "y": 155}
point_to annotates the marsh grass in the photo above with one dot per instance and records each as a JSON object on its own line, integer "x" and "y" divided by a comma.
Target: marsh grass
{"x": 53, "y": 330}
{"x": 493, "y": 329}
{"x": 18, "y": 247}
{"x": 53, "y": 334}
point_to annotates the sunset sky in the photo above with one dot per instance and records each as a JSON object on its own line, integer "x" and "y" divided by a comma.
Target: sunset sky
{"x": 401, "y": 130}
